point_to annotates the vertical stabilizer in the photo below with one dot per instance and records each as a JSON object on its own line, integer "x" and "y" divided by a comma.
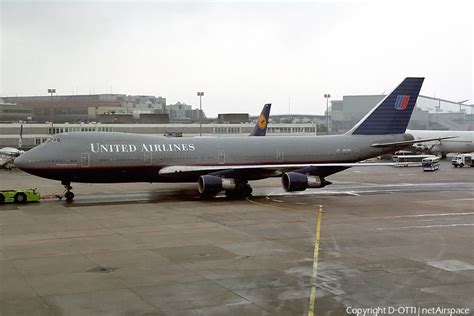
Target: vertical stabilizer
{"x": 260, "y": 128}
{"x": 392, "y": 114}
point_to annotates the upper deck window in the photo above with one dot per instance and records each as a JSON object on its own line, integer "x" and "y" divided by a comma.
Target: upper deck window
{"x": 55, "y": 140}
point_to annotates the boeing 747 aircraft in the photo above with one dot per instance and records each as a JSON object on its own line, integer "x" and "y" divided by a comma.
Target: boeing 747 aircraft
{"x": 225, "y": 163}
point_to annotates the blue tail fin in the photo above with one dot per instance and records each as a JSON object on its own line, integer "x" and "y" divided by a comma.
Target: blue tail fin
{"x": 260, "y": 128}
{"x": 392, "y": 114}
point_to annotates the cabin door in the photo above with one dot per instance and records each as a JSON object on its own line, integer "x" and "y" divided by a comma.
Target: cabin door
{"x": 221, "y": 156}
{"x": 85, "y": 160}
{"x": 279, "y": 155}
{"x": 147, "y": 158}
{"x": 356, "y": 152}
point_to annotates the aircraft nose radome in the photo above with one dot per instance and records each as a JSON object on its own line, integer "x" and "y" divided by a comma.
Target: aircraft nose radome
{"x": 20, "y": 162}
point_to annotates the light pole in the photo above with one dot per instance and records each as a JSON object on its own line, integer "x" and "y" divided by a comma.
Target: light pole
{"x": 200, "y": 94}
{"x": 327, "y": 96}
{"x": 51, "y": 91}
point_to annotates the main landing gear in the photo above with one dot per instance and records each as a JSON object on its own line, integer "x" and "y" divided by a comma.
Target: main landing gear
{"x": 67, "y": 192}
{"x": 242, "y": 191}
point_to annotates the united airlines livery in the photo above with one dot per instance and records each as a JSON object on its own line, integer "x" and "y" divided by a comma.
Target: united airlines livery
{"x": 225, "y": 163}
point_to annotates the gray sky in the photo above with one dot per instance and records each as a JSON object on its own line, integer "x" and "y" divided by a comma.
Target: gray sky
{"x": 241, "y": 54}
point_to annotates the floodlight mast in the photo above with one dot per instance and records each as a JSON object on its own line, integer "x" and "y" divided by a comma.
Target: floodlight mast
{"x": 200, "y": 95}
{"x": 327, "y": 96}
{"x": 51, "y": 109}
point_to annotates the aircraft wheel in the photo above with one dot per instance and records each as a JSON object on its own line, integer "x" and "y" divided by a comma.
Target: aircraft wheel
{"x": 248, "y": 190}
{"x": 230, "y": 194}
{"x": 20, "y": 198}
{"x": 207, "y": 195}
{"x": 461, "y": 165}
{"x": 235, "y": 194}
{"x": 239, "y": 194}
{"x": 69, "y": 196}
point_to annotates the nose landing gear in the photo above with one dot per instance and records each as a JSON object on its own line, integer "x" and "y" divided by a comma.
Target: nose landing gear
{"x": 67, "y": 192}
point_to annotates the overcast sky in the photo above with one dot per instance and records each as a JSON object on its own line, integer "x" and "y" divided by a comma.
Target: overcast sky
{"x": 241, "y": 54}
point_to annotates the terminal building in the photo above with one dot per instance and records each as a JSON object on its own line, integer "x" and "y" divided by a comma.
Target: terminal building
{"x": 104, "y": 108}
{"x": 11, "y": 112}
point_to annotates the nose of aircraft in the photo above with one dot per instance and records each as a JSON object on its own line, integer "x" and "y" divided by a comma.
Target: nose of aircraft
{"x": 20, "y": 161}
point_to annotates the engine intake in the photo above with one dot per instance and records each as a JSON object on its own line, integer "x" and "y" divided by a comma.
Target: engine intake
{"x": 294, "y": 181}
{"x": 211, "y": 185}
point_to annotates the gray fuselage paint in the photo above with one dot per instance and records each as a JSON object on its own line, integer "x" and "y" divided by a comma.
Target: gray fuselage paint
{"x": 122, "y": 157}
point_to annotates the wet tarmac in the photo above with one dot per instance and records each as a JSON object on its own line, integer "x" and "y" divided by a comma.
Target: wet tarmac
{"x": 388, "y": 237}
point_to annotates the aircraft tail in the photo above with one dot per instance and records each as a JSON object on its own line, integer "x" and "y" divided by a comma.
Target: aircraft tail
{"x": 260, "y": 128}
{"x": 391, "y": 115}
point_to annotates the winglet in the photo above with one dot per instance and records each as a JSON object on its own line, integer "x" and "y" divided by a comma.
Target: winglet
{"x": 392, "y": 114}
{"x": 260, "y": 128}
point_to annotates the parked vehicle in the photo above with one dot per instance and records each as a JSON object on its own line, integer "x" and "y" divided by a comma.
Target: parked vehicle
{"x": 19, "y": 196}
{"x": 430, "y": 164}
{"x": 462, "y": 160}
{"x": 410, "y": 160}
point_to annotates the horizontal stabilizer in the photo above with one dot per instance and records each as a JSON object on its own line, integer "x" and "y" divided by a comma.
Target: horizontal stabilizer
{"x": 410, "y": 142}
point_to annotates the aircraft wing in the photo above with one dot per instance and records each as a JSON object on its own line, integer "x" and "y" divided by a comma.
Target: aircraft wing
{"x": 10, "y": 151}
{"x": 276, "y": 169}
{"x": 410, "y": 142}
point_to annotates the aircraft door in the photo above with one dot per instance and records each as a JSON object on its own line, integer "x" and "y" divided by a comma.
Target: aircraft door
{"x": 221, "y": 156}
{"x": 356, "y": 152}
{"x": 147, "y": 158}
{"x": 279, "y": 155}
{"x": 85, "y": 160}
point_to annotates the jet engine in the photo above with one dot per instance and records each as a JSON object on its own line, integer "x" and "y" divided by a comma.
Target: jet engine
{"x": 294, "y": 181}
{"x": 211, "y": 185}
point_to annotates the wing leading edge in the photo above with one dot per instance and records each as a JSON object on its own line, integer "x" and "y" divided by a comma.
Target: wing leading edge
{"x": 276, "y": 169}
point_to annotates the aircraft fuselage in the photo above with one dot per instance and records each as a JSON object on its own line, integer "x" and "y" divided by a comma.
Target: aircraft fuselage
{"x": 121, "y": 157}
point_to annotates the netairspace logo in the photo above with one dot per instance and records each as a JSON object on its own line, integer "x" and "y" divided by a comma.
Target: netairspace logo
{"x": 407, "y": 310}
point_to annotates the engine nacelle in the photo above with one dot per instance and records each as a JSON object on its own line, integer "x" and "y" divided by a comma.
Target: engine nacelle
{"x": 211, "y": 185}
{"x": 294, "y": 181}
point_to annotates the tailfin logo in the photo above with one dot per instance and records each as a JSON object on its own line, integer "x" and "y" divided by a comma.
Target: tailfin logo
{"x": 401, "y": 102}
{"x": 262, "y": 121}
